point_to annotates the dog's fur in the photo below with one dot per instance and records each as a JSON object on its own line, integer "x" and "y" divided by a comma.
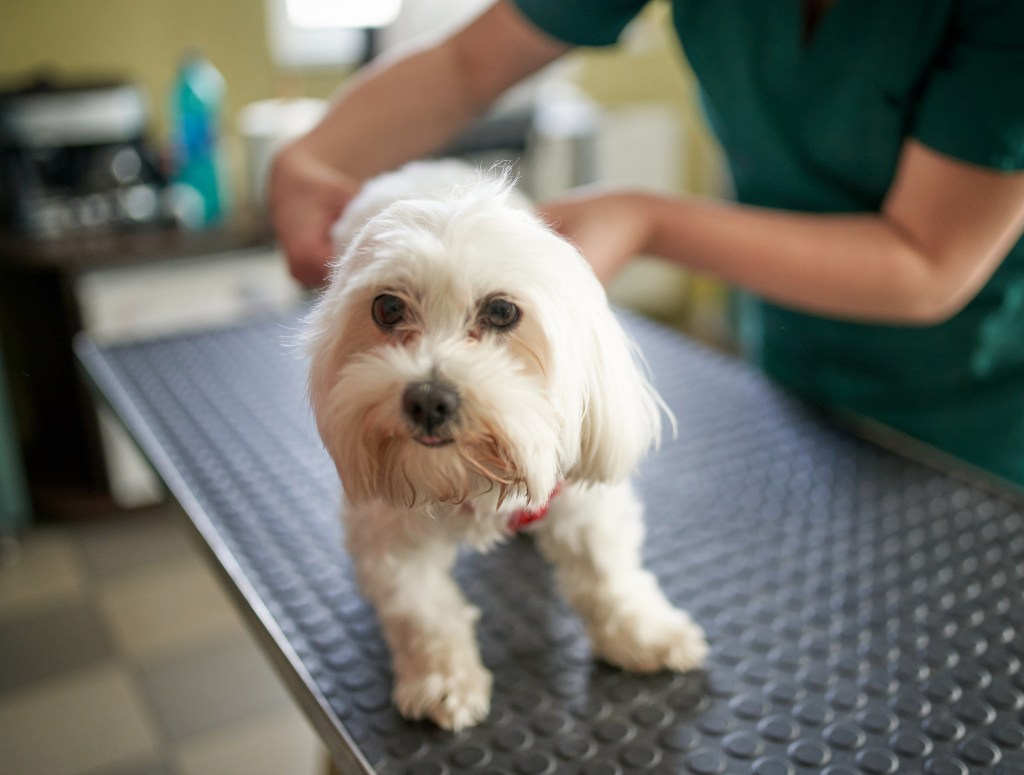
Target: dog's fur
{"x": 554, "y": 401}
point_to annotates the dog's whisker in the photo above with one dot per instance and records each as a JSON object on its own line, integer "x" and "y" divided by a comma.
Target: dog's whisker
{"x": 488, "y": 473}
{"x": 410, "y": 492}
{"x": 502, "y": 495}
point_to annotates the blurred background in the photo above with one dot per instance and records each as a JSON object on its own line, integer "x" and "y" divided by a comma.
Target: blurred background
{"x": 134, "y": 142}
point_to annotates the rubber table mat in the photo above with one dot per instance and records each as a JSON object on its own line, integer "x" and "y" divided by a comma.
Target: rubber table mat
{"x": 865, "y": 612}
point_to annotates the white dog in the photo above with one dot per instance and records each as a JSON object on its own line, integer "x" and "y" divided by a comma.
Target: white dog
{"x": 468, "y": 378}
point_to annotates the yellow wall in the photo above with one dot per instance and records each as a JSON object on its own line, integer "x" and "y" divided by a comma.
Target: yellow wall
{"x": 142, "y": 40}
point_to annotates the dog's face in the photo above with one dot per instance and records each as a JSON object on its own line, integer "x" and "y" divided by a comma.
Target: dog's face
{"x": 463, "y": 348}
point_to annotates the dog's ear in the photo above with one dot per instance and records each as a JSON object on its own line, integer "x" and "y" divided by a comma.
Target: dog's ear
{"x": 621, "y": 412}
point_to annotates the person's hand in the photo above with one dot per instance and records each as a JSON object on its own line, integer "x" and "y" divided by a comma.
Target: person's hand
{"x": 306, "y": 196}
{"x": 609, "y": 227}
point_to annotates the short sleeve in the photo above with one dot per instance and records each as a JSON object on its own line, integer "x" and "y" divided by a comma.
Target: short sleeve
{"x": 972, "y": 106}
{"x": 581, "y": 22}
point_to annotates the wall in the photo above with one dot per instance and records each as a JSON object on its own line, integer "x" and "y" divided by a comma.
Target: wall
{"x": 139, "y": 39}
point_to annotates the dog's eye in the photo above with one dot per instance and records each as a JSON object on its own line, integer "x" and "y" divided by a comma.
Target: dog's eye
{"x": 500, "y": 314}
{"x": 388, "y": 310}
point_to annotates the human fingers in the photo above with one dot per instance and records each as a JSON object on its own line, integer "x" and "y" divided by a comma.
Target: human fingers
{"x": 306, "y": 198}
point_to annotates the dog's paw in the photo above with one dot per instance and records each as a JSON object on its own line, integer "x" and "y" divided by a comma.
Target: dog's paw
{"x": 649, "y": 639}
{"x": 454, "y": 699}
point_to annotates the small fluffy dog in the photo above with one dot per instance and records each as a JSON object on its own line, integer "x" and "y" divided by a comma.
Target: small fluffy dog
{"x": 469, "y": 380}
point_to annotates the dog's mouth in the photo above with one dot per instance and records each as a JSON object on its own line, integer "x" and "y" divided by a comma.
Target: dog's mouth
{"x": 433, "y": 441}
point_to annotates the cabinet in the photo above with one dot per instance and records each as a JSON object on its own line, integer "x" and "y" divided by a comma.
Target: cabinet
{"x": 50, "y": 290}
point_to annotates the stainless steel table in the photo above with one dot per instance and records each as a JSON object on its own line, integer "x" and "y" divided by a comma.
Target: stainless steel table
{"x": 866, "y": 612}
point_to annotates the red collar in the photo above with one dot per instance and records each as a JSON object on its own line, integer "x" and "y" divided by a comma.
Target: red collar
{"x": 526, "y": 517}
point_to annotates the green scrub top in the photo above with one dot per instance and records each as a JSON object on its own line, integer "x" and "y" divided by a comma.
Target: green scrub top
{"x": 817, "y": 126}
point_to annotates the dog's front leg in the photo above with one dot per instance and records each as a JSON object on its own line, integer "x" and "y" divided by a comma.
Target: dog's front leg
{"x": 594, "y": 537}
{"x": 427, "y": 622}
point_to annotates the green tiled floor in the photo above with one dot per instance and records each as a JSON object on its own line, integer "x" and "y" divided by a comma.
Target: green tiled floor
{"x": 121, "y": 654}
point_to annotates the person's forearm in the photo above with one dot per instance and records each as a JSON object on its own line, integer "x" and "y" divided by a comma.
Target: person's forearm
{"x": 853, "y": 266}
{"x": 943, "y": 229}
{"x": 394, "y": 112}
{"x": 409, "y": 105}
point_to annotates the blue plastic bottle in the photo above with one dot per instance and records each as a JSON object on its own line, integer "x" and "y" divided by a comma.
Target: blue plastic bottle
{"x": 200, "y": 192}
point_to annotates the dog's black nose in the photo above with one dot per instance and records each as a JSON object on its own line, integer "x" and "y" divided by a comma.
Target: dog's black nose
{"x": 430, "y": 405}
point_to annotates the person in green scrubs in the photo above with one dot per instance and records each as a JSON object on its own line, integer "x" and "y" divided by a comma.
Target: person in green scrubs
{"x": 877, "y": 154}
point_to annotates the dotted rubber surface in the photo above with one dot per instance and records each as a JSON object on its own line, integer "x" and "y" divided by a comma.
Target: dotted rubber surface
{"x": 865, "y": 612}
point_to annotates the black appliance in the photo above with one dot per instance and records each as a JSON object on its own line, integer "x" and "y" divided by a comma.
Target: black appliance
{"x": 74, "y": 159}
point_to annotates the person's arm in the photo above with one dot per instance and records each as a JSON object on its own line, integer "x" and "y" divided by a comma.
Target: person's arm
{"x": 942, "y": 231}
{"x": 395, "y": 110}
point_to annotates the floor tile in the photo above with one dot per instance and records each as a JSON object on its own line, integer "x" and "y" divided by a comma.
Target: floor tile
{"x": 209, "y": 687}
{"x": 122, "y": 654}
{"x": 46, "y": 643}
{"x": 269, "y": 744}
{"x": 92, "y": 721}
{"x": 42, "y": 571}
{"x": 166, "y": 607}
{"x": 134, "y": 540}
